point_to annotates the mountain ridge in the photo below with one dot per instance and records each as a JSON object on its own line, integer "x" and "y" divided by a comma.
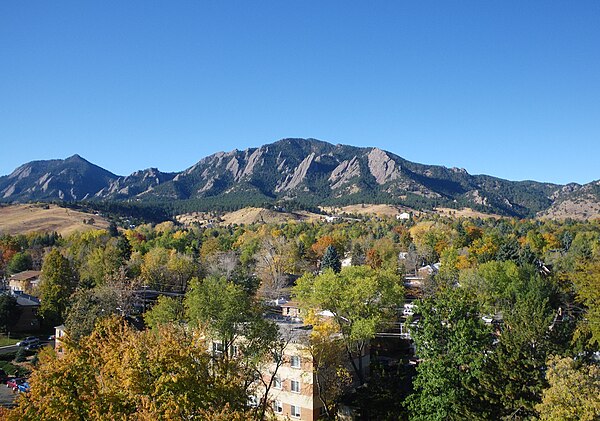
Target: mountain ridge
{"x": 307, "y": 171}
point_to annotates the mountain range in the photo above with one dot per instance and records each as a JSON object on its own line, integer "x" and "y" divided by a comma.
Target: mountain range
{"x": 308, "y": 172}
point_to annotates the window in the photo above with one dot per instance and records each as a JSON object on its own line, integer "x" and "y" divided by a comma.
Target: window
{"x": 277, "y": 382}
{"x": 295, "y": 411}
{"x": 217, "y": 348}
{"x": 278, "y": 407}
{"x": 295, "y": 386}
{"x": 252, "y": 401}
{"x": 295, "y": 361}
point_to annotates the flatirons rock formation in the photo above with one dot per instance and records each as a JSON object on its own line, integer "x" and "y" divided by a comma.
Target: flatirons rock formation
{"x": 305, "y": 170}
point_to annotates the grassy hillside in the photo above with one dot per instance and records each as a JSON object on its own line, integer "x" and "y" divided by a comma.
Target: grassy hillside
{"x": 21, "y": 219}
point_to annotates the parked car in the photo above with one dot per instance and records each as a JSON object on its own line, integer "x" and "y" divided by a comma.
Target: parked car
{"x": 30, "y": 340}
{"x": 33, "y": 346}
{"x": 13, "y": 382}
{"x": 19, "y": 384}
{"x": 24, "y": 387}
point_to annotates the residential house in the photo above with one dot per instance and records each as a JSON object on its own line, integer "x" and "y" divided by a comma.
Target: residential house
{"x": 58, "y": 344}
{"x": 26, "y": 281}
{"x": 28, "y": 306}
{"x": 428, "y": 270}
{"x": 291, "y": 309}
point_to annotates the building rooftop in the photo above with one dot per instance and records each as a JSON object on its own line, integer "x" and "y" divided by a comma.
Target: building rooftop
{"x": 23, "y": 276}
{"x": 25, "y": 300}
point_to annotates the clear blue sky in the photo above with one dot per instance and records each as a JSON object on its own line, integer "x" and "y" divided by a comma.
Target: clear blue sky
{"x": 506, "y": 88}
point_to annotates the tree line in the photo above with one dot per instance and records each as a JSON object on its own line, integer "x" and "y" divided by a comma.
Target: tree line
{"x": 501, "y": 330}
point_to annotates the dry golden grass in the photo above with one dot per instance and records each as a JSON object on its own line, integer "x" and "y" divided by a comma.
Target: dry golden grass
{"x": 466, "y": 213}
{"x": 245, "y": 216}
{"x": 256, "y": 215}
{"x": 22, "y": 219}
{"x": 367, "y": 209}
{"x": 582, "y": 209}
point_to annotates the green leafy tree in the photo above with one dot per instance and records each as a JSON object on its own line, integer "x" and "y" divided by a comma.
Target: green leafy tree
{"x": 451, "y": 341}
{"x": 222, "y": 306}
{"x": 9, "y": 312}
{"x": 87, "y": 307}
{"x": 513, "y": 377}
{"x": 20, "y": 262}
{"x": 166, "y": 310}
{"x": 56, "y": 285}
{"x": 100, "y": 264}
{"x": 361, "y": 300}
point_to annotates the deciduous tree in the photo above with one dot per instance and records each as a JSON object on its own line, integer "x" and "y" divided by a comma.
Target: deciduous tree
{"x": 573, "y": 393}
{"x": 360, "y": 299}
{"x": 119, "y": 373}
{"x": 56, "y": 285}
{"x": 166, "y": 310}
{"x": 451, "y": 340}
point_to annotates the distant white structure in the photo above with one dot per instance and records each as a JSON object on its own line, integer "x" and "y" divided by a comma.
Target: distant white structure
{"x": 346, "y": 261}
{"x": 404, "y": 216}
{"x": 278, "y": 301}
{"x": 429, "y": 269}
{"x": 408, "y": 310}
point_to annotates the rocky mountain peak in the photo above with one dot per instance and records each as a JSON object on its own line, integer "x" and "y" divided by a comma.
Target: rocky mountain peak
{"x": 305, "y": 170}
{"x": 383, "y": 167}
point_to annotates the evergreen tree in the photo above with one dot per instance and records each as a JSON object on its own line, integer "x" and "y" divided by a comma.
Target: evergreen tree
{"x": 112, "y": 230}
{"x": 331, "y": 260}
{"x": 358, "y": 255}
{"x": 9, "y": 312}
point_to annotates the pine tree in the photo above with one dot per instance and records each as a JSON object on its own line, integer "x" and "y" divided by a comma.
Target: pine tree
{"x": 331, "y": 260}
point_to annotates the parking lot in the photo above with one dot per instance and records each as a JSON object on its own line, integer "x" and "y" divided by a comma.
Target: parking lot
{"x": 7, "y": 396}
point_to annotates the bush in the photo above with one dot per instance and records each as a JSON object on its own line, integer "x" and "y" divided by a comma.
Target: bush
{"x": 21, "y": 356}
{"x": 8, "y": 367}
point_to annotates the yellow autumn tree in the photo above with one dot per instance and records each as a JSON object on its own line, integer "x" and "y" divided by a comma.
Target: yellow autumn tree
{"x": 120, "y": 373}
{"x": 574, "y": 391}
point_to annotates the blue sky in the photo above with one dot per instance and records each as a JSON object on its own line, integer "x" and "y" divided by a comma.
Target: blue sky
{"x": 506, "y": 88}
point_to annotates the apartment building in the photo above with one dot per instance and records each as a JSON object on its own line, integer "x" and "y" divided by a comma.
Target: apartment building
{"x": 294, "y": 394}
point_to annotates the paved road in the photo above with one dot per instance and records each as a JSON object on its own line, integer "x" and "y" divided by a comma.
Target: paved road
{"x": 14, "y": 348}
{"x": 8, "y": 349}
